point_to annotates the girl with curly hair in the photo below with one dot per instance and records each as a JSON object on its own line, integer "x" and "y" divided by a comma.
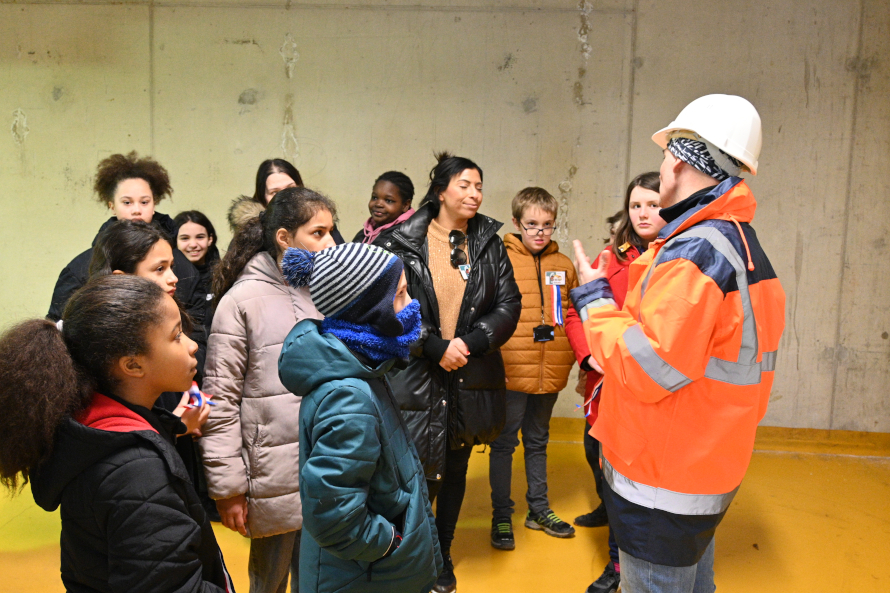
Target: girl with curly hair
{"x": 131, "y": 186}
{"x": 80, "y": 424}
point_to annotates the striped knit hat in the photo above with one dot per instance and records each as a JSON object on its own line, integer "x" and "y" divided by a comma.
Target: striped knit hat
{"x": 354, "y": 282}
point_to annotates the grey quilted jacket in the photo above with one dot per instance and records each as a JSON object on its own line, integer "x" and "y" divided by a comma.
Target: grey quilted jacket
{"x": 251, "y": 440}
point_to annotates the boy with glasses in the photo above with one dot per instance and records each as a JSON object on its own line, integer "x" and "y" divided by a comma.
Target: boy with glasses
{"x": 537, "y": 361}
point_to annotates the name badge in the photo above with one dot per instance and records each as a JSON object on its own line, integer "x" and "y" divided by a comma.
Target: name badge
{"x": 555, "y": 278}
{"x": 464, "y": 271}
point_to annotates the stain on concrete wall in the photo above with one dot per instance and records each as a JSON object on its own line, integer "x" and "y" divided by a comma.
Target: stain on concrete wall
{"x": 19, "y": 127}
{"x": 289, "y": 146}
{"x": 247, "y": 100}
{"x": 508, "y": 62}
{"x": 563, "y": 232}
{"x": 585, "y": 8}
{"x": 289, "y": 54}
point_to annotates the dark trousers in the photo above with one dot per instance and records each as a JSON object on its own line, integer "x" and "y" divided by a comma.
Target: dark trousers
{"x": 531, "y": 413}
{"x": 449, "y": 491}
{"x": 272, "y": 559}
{"x": 592, "y": 453}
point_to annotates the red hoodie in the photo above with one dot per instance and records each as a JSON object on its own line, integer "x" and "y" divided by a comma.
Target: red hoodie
{"x": 104, "y": 413}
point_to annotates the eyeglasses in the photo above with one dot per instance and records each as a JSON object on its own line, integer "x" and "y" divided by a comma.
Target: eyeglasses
{"x": 458, "y": 256}
{"x": 533, "y": 230}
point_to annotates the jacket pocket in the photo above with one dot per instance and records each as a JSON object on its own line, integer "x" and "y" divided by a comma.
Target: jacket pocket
{"x": 477, "y": 417}
{"x": 413, "y": 564}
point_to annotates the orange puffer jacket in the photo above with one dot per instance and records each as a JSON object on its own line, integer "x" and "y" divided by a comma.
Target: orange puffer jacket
{"x": 538, "y": 367}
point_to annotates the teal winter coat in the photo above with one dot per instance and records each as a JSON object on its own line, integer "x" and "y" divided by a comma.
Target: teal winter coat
{"x": 359, "y": 475}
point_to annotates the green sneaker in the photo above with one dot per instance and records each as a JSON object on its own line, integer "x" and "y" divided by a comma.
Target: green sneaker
{"x": 502, "y": 535}
{"x": 549, "y": 523}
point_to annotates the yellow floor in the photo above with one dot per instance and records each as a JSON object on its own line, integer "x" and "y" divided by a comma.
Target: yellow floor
{"x": 813, "y": 515}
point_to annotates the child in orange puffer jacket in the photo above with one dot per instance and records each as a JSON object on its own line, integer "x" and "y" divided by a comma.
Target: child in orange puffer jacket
{"x": 537, "y": 360}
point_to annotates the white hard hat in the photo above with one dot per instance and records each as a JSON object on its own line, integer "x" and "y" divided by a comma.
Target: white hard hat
{"x": 728, "y": 122}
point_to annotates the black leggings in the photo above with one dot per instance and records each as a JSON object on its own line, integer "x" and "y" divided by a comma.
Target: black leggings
{"x": 450, "y": 492}
{"x": 592, "y": 452}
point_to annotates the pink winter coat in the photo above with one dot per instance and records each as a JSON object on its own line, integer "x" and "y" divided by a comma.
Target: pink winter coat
{"x": 251, "y": 440}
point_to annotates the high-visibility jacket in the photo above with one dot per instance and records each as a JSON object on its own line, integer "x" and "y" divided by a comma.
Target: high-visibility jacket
{"x": 616, "y": 276}
{"x": 689, "y": 364}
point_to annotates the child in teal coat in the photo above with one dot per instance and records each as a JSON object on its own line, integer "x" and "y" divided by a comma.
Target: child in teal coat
{"x": 365, "y": 505}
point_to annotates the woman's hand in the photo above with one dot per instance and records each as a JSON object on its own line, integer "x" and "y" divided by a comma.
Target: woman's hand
{"x": 193, "y": 418}
{"x": 233, "y": 512}
{"x": 594, "y": 365}
{"x": 455, "y": 356}
{"x": 586, "y": 273}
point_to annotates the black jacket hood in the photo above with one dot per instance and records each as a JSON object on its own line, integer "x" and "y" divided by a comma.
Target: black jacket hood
{"x": 78, "y": 447}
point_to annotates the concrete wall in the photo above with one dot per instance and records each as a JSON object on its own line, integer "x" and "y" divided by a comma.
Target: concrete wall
{"x": 549, "y": 93}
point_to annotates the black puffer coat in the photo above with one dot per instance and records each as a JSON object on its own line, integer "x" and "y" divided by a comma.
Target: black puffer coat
{"x": 130, "y": 518}
{"x": 467, "y": 406}
{"x": 188, "y": 290}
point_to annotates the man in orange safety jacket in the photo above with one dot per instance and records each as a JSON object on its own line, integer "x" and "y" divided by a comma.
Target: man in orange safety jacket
{"x": 689, "y": 360}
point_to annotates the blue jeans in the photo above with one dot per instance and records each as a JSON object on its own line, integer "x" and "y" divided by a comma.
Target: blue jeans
{"x": 531, "y": 412}
{"x": 639, "y": 576}
{"x": 271, "y": 559}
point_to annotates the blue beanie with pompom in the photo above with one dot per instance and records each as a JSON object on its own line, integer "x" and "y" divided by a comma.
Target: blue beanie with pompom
{"x": 353, "y": 282}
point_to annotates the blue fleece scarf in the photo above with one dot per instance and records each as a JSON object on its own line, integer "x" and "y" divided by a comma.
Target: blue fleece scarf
{"x": 364, "y": 340}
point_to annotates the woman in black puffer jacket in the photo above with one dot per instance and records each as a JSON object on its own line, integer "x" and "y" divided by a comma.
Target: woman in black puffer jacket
{"x": 452, "y": 394}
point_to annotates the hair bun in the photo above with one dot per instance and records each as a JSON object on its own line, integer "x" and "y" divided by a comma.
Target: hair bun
{"x": 297, "y": 266}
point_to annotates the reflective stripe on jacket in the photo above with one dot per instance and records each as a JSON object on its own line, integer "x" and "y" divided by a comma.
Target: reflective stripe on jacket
{"x": 689, "y": 360}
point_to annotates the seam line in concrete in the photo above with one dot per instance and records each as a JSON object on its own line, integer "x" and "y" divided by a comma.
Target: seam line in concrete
{"x": 631, "y": 90}
{"x": 320, "y": 6}
{"x": 847, "y": 202}
{"x": 151, "y": 76}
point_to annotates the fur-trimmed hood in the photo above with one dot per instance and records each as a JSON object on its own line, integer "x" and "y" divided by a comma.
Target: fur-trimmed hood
{"x": 242, "y": 209}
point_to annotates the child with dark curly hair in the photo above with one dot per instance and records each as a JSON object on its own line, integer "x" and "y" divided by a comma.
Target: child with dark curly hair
{"x": 79, "y": 423}
{"x": 131, "y": 187}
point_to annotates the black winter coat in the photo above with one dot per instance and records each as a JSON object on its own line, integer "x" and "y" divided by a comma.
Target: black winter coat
{"x": 188, "y": 290}
{"x": 131, "y": 520}
{"x": 467, "y": 406}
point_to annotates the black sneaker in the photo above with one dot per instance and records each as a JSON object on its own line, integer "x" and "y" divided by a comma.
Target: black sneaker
{"x": 446, "y": 583}
{"x": 549, "y": 523}
{"x": 595, "y": 518}
{"x": 608, "y": 581}
{"x": 502, "y": 534}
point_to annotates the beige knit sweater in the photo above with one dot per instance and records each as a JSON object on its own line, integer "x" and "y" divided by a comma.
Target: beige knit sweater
{"x": 448, "y": 284}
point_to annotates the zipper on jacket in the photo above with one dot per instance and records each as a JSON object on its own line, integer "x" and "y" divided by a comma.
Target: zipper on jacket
{"x": 541, "y": 377}
{"x": 462, "y": 314}
{"x": 422, "y": 259}
{"x": 252, "y": 452}
{"x": 537, "y": 259}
